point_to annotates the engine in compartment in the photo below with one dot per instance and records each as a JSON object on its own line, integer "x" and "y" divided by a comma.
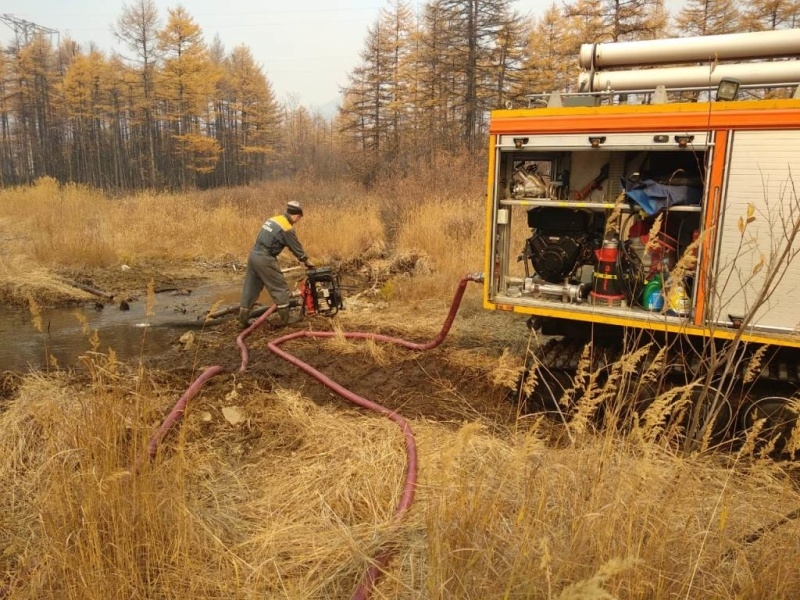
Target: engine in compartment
{"x": 562, "y": 240}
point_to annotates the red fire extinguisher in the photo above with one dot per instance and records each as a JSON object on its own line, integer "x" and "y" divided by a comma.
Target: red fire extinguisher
{"x": 606, "y": 289}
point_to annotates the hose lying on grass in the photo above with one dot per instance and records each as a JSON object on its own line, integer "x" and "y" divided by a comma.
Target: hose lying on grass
{"x": 175, "y": 415}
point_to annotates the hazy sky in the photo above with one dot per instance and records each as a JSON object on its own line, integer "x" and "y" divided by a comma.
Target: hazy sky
{"x": 305, "y": 52}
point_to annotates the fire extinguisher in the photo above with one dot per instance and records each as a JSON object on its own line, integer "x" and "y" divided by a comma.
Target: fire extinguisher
{"x": 607, "y": 289}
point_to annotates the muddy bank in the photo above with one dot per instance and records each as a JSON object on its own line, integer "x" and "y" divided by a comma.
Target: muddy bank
{"x": 140, "y": 311}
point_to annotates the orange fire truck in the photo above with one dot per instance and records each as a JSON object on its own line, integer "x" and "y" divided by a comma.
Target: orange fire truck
{"x": 660, "y": 198}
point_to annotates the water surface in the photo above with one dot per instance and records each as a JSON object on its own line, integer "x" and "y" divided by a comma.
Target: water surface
{"x": 130, "y": 333}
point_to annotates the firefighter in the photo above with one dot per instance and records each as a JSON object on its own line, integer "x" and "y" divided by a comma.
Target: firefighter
{"x": 263, "y": 269}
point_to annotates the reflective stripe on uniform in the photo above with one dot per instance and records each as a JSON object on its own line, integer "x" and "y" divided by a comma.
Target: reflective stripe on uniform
{"x": 280, "y": 221}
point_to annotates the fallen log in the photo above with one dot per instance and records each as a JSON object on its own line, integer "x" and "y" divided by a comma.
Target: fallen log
{"x": 220, "y": 313}
{"x": 254, "y": 314}
{"x": 91, "y": 290}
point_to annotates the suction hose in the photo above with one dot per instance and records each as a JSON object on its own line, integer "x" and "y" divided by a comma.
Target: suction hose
{"x": 176, "y": 414}
{"x": 379, "y": 562}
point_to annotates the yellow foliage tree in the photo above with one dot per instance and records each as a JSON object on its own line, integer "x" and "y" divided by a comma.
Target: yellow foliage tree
{"x": 551, "y": 63}
{"x": 186, "y": 83}
{"x": 201, "y": 152}
{"x": 708, "y": 17}
{"x": 251, "y": 115}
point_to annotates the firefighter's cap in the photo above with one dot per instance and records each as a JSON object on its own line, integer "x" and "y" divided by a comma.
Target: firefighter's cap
{"x": 293, "y": 208}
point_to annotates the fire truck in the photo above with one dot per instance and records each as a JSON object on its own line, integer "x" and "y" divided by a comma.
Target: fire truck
{"x": 659, "y": 199}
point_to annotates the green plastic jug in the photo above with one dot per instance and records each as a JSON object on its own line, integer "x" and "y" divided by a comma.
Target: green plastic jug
{"x": 652, "y": 295}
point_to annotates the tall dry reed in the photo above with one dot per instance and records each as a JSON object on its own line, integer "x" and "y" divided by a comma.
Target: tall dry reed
{"x": 48, "y": 228}
{"x": 292, "y": 501}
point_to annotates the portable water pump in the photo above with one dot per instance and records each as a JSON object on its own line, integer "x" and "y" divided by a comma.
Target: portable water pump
{"x": 320, "y": 292}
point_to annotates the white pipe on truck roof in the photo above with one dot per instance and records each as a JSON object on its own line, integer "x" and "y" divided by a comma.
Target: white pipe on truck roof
{"x": 733, "y": 46}
{"x": 762, "y": 73}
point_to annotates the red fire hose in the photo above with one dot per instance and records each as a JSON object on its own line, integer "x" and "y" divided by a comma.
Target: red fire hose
{"x": 380, "y": 561}
{"x": 176, "y": 414}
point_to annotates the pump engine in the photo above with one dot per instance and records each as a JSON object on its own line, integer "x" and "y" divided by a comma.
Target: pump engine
{"x": 562, "y": 241}
{"x": 321, "y": 293}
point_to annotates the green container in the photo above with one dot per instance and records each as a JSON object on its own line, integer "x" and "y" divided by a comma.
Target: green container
{"x": 652, "y": 295}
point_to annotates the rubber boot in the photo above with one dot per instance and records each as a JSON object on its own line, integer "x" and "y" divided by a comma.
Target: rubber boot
{"x": 284, "y": 315}
{"x": 244, "y": 317}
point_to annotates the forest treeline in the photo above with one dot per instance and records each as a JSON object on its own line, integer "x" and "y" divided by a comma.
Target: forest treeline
{"x": 171, "y": 111}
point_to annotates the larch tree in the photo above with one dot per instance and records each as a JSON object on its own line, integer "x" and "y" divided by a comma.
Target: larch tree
{"x": 374, "y": 106}
{"x": 398, "y": 23}
{"x": 299, "y": 140}
{"x": 507, "y": 56}
{"x": 616, "y": 20}
{"x": 185, "y": 89}
{"x": 474, "y": 31}
{"x": 550, "y": 63}
{"x": 328, "y": 162}
{"x": 768, "y": 15}
{"x": 7, "y": 142}
{"x": 87, "y": 90}
{"x": 423, "y": 115}
{"x": 121, "y": 172}
{"x": 436, "y": 102}
{"x": 353, "y": 120}
{"x": 363, "y": 114}
{"x": 33, "y": 97}
{"x": 708, "y": 17}
{"x": 771, "y": 15}
{"x": 223, "y": 125}
{"x": 310, "y": 147}
{"x": 252, "y": 114}
{"x": 137, "y": 29}
{"x": 586, "y": 24}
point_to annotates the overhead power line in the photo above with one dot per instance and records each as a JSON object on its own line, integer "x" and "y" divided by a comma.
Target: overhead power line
{"x": 26, "y": 31}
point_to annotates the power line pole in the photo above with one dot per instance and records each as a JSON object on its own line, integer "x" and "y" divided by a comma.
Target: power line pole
{"x": 26, "y": 31}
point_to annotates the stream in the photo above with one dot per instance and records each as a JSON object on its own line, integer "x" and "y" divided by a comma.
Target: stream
{"x": 130, "y": 333}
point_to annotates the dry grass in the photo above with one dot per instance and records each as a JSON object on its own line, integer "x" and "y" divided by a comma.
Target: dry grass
{"x": 47, "y": 229}
{"x": 293, "y": 501}
{"x": 22, "y": 278}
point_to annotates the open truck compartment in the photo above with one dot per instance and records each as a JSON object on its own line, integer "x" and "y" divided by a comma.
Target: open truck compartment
{"x": 591, "y": 221}
{"x": 657, "y": 208}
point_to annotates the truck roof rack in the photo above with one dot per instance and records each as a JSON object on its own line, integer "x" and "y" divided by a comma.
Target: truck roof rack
{"x": 657, "y": 95}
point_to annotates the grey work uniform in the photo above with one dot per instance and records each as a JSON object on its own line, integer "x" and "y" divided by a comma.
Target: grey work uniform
{"x": 263, "y": 269}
